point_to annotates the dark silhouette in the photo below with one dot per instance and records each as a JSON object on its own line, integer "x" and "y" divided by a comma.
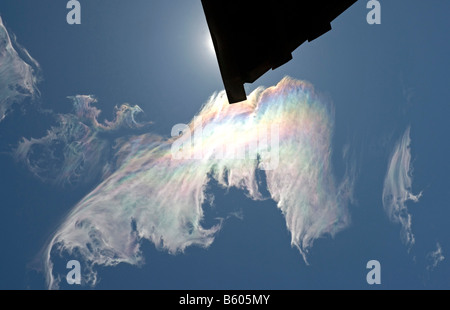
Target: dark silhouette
{"x": 252, "y": 36}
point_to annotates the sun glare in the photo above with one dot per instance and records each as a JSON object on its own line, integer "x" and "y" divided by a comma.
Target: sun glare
{"x": 209, "y": 44}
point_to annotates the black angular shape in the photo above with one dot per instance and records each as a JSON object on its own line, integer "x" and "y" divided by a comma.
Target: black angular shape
{"x": 251, "y": 37}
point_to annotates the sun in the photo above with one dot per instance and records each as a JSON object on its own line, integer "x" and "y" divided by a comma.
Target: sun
{"x": 209, "y": 44}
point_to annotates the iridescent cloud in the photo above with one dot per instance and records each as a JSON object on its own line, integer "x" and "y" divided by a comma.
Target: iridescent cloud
{"x": 78, "y": 149}
{"x": 158, "y": 194}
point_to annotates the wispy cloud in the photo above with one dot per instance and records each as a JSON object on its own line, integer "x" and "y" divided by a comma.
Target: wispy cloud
{"x": 157, "y": 196}
{"x": 435, "y": 257}
{"x": 79, "y": 148}
{"x": 18, "y": 72}
{"x": 397, "y": 188}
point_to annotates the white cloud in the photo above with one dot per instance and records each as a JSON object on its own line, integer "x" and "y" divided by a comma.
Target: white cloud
{"x": 17, "y": 73}
{"x": 397, "y": 188}
{"x": 435, "y": 257}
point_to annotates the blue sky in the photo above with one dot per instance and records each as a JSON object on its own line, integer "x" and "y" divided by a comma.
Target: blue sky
{"x": 381, "y": 79}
